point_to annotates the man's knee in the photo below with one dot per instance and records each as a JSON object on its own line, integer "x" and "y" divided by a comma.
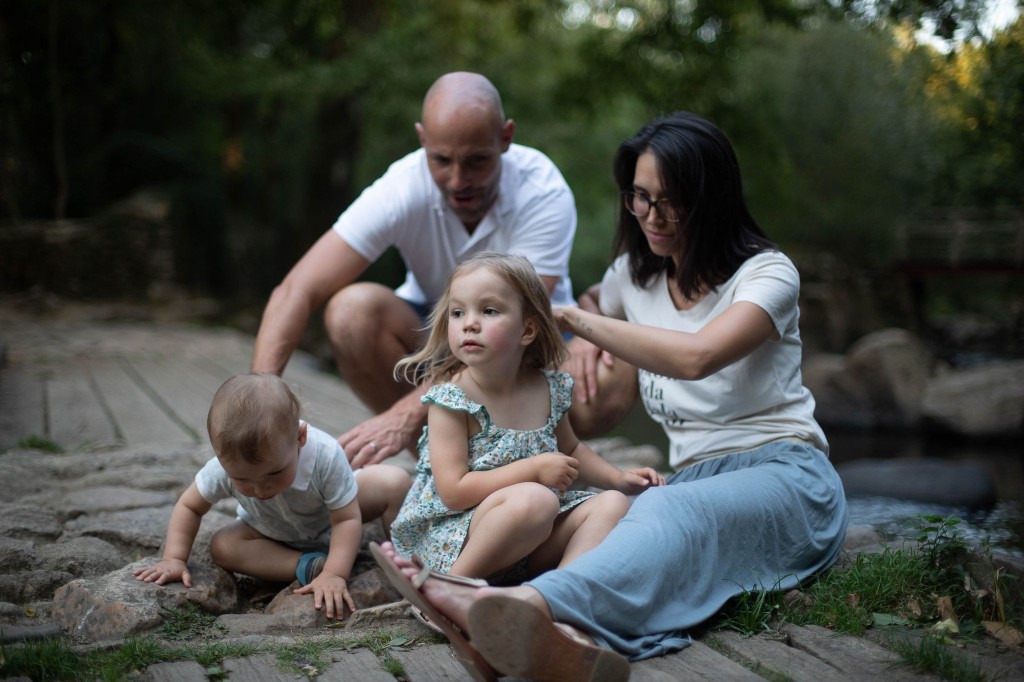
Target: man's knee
{"x": 365, "y": 317}
{"x": 352, "y": 312}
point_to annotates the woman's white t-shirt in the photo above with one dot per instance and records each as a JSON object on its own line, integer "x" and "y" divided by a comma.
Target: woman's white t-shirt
{"x": 756, "y": 400}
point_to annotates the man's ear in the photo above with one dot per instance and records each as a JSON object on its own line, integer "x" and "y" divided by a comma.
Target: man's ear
{"x": 508, "y": 131}
{"x": 303, "y": 433}
{"x": 421, "y": 133}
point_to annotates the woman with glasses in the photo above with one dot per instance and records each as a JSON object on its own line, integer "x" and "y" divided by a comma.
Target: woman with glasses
{"x": 702, "y": 302}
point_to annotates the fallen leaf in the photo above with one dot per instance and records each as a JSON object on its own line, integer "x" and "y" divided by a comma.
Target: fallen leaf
{"x": 883, "y": 619}
{"x": 947, "y": 626}
{"x": 1007, "y": 634}
{"x": 945, "y": 606}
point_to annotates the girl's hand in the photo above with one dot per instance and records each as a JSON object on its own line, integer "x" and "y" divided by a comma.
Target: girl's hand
{"x": 166, "y": 571}
{"x": 555, "y": 470}
{"x": 330, "y": 592}
{"x": 635, "y": 481}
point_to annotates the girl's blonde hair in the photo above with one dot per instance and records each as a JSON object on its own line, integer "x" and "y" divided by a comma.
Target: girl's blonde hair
{"x": 435, "y": 361}
{"x": 249, "y": 414}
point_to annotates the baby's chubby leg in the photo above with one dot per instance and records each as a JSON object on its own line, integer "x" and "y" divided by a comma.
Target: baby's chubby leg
{"x": 382, "y": 489}
{"x": 507, "y": 526}
{"x": 579, "y": 530}
{"x": 240, "y": 548}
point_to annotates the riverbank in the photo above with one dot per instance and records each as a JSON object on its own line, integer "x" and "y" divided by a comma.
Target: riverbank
{"x": 101, "y": 420}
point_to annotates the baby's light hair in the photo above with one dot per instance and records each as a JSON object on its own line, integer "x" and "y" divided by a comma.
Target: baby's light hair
{"x": 435, "y": 361}
{"x": 249, "y": 413}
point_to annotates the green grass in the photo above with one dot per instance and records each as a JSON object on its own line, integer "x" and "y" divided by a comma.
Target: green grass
{"x": 55, "y": 659}
{"x": 931, "y": 655}
{"x": 897, "y": 586}
{"x": 188, "y": 623}
{"x": 40, "y": 443}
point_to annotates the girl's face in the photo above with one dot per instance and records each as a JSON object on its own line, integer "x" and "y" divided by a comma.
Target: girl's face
{"x": 273, "y": 474}
{"x": 660, "y": 233}
{"x": 485, "y": 320}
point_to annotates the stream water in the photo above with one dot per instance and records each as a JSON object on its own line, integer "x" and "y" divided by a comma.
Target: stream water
{"x": 1002, "y": 527}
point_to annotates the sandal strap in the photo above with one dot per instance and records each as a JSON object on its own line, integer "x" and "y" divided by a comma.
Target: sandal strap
{"x": 427, "y": 572}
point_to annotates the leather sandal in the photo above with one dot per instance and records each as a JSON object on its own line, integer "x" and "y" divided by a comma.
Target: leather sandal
{"x": 469, "y": 657}
{"x": 519, "y": 639}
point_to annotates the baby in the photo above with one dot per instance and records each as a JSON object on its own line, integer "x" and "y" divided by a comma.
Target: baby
{"x": 297, "y": 497}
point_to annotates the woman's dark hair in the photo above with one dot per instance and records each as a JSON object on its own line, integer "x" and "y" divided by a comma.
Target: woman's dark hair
{"x": 700, "y": 176}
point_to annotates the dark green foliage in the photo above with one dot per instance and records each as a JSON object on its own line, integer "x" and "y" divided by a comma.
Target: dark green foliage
{"x": 261, "y": 121}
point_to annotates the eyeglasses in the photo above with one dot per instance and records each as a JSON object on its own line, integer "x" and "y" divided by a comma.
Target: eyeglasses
{"x": 640, "y": 205}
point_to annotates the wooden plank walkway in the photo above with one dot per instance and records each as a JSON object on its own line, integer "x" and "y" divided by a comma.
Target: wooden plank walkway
{"x": 83, "y": 385}
{"x": 87, "y": 385}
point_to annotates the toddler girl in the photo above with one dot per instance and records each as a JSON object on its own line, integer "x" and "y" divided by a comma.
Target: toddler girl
{"x": 498, "y": 457}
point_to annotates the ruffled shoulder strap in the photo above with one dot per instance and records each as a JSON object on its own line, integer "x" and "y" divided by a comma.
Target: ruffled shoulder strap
{"x": 560, "y": 387}
{"x": 451, "y": 397}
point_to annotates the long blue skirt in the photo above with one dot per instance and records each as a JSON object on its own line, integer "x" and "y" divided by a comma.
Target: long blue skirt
{"x": 765, "y": 519}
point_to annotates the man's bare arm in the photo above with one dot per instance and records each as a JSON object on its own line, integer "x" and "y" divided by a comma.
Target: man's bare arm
{"x": 329, "y": 266}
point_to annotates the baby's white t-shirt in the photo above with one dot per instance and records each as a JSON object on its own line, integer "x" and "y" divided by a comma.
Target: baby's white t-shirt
{"x": 299, "y": 516}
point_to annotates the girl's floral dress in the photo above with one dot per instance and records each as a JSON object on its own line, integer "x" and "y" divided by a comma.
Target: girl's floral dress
{"x": 425, "y": 526}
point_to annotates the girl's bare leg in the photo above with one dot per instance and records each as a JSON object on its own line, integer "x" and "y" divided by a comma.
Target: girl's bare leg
{"x": 507, "y": 526}
{"x": 579, "y": 530}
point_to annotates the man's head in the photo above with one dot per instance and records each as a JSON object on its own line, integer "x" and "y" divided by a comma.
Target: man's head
{"x": 464, "y": 132}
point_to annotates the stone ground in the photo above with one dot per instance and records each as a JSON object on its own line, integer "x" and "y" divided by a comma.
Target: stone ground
{"x": 123, "y": 392}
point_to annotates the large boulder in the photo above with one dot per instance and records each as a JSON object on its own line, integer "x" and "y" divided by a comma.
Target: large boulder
{"x": 116, "y": 605}
{"x": 982, "y": 401}
{"x": 879, "y": 383}
{"x": 893, "y": 367}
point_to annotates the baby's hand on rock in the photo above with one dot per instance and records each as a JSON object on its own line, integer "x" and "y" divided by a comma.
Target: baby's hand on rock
{"x": 330, "y": 593}
{"x": 165, "y": 571}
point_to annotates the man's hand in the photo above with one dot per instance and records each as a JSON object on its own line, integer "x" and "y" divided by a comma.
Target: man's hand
{"x": 582, "y": 364}
{"x": 382, "y": 436}
{"x": 330, "y": 592}
{"x": 166, "y": 571}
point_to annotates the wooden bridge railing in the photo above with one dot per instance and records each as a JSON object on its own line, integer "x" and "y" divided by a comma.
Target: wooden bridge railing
{"x": 962, "y": 240}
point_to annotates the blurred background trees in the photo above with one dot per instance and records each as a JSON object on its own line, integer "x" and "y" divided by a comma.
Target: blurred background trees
{"x": 257, "y": 122}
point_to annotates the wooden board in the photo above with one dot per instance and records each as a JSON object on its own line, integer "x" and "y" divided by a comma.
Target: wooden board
{"x": 22, "y": 413}
{"x": 140, "y": 420}
{"x": 696, "y": 662}
{"x": 77, "y": 414}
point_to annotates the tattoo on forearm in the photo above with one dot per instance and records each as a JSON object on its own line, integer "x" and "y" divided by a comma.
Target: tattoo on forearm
{"x": 581, "y": 325}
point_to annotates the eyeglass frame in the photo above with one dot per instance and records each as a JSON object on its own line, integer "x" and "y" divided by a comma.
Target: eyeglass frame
{"x": 629, "y": 196}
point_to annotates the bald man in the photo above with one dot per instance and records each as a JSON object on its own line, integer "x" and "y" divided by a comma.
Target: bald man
{"x": 467, "y": 189}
